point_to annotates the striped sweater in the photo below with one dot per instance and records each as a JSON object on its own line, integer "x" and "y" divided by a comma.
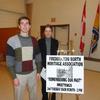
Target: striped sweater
{"x": 23, "y": 55}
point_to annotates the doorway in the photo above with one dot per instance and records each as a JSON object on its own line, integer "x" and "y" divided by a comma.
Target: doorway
{"x": 61, "y": 33}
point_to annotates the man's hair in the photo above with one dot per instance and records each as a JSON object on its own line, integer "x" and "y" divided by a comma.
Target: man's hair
{"x": 48, "y": 26}
{"x": 23, "y": 17}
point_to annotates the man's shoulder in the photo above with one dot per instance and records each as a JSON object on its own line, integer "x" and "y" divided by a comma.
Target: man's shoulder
{"x": 34, "y": 41}
{"x": 12, "y": 38}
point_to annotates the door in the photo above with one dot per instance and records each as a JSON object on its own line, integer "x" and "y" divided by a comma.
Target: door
{"x": 62, "y": 35}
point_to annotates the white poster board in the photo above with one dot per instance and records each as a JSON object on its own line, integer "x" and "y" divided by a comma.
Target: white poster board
{"x": 65, "y": 74}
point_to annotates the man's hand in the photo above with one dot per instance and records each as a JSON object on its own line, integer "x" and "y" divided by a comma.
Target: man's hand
{"x": 38, "y": 76}
{"x": 16, "y": 82}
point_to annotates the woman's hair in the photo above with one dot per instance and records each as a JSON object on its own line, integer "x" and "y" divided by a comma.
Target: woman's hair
{"x": 48, "y": 26}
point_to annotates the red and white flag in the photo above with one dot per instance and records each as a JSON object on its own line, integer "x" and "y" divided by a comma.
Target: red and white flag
{"x": 83, "y": 22}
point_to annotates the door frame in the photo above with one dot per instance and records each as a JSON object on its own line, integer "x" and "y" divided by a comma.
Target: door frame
{"x": 53, "y": 26}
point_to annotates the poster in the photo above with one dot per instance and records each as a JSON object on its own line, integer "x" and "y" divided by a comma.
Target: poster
{"x": 65, "y": 74}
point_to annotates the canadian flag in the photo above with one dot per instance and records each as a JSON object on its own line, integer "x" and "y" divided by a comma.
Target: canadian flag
{"x": 83, "y": 21}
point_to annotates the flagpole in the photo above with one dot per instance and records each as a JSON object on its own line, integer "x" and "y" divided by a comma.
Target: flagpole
{"x": 89, "y": 51}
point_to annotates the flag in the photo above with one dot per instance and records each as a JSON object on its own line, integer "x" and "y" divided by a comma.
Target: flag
{"x": 83, "y": 22}
{"x": 95, "y": 33}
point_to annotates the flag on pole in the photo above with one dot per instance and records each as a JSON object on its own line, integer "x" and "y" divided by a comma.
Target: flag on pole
{"x": 83, "y": 22}
{"x": 95, "y": 32}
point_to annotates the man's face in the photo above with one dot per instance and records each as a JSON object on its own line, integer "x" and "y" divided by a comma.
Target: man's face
{"x": 48, "y": 32}
{"x": 24, "y": 26}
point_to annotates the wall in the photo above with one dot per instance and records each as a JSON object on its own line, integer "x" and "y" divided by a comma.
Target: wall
{"x": 67, "y": 12}
{"x": 8, "y": 19}
{"x": 5, "y": 33}
{"x": 13, "y": 5}
{"x": 10, "y": 11}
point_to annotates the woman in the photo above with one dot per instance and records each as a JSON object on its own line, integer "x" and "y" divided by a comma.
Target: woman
{"x": 48, "y": 46}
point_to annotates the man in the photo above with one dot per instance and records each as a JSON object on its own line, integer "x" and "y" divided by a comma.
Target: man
{"x": 23, "y": 58}
{"x": 48, "y": 46}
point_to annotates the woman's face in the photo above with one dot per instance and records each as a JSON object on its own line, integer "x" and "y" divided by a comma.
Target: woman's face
{"x": 48, "y": 32}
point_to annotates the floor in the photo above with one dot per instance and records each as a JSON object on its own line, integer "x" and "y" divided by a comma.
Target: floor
{"x": 6, "y": 87}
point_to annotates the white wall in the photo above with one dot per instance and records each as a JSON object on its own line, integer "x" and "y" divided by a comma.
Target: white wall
{"x": 10, "y": 11}
{"x": 13, "y": 5}
{"x": 67, "y": 12}
{"x": 8, "y": 19}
